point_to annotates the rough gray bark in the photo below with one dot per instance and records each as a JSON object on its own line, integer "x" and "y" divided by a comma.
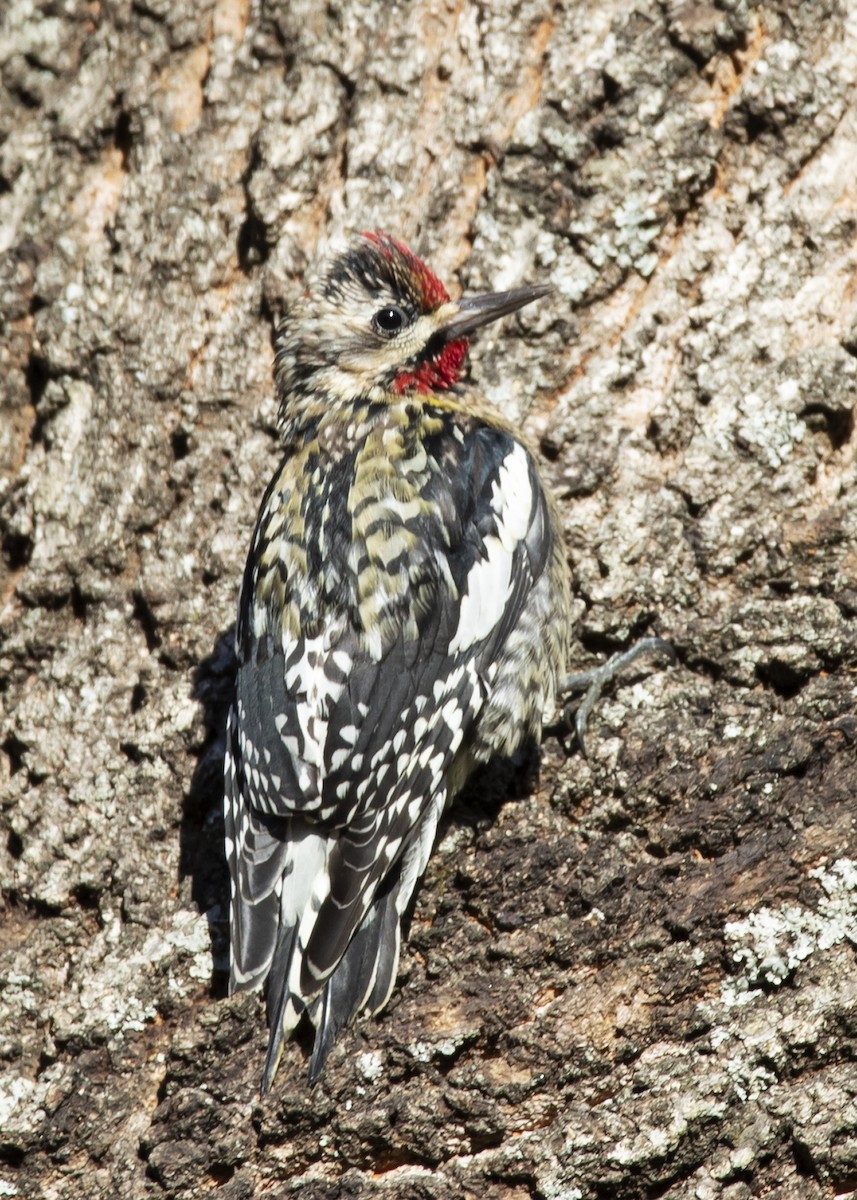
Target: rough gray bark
{"x": 635, "y": 979}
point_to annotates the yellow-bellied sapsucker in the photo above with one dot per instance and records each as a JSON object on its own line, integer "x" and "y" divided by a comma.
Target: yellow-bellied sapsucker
{"x": 404, "y": 616}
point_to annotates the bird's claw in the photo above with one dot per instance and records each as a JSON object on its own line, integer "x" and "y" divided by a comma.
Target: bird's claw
{"x": 596, "y": 679}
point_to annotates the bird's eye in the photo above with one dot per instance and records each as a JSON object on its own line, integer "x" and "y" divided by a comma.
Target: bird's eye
{"x": 388, "y": 321}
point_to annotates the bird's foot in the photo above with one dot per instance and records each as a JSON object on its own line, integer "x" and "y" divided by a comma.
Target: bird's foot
{"x": 595, "y": 680}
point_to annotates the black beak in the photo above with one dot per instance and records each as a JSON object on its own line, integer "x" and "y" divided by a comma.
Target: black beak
{"x": 481, "y": 310}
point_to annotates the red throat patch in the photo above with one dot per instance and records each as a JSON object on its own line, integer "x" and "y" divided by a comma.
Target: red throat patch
{"x": 436, "y": 374}
{"x": 433, "y": 292}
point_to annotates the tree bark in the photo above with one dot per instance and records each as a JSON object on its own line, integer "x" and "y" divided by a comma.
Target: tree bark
{"x": 632, "y": 977}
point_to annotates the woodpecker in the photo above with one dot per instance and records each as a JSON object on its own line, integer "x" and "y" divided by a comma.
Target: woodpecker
{"x": 404, "y": 616}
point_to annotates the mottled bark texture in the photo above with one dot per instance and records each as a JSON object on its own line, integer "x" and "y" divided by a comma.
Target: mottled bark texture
{"x": 634, "y": 977}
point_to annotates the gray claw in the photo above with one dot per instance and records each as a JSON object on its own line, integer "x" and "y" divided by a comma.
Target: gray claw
{"x": 595, "y": 680}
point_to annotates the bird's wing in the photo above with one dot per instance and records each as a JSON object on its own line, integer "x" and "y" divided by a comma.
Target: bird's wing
{"x": 349, "y": 738}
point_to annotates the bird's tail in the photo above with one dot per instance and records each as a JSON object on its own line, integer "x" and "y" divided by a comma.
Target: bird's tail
{"x": 363, "y": 979}
{"x": 283, "y": 1014}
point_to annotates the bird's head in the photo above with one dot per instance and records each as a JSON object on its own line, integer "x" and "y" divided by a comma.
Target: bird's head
{"x": 377, "y": 322}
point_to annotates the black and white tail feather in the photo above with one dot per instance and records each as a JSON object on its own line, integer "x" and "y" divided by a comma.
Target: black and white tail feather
{"x": 276, "y": 898}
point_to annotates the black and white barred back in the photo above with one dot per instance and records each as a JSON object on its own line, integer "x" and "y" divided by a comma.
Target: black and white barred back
{"x": 403, "y": 616}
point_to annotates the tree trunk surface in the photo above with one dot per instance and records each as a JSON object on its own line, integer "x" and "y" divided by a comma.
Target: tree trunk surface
{"x": 632, "y": 976}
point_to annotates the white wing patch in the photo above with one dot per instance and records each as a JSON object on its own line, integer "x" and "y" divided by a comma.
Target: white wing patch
{"x": 512, "y": 497}
{"x": 489, "y": 583}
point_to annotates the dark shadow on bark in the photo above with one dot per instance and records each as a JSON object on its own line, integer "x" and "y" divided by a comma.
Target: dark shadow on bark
{"x": 500, "y": 781}
{"x": 203, "y": 857}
